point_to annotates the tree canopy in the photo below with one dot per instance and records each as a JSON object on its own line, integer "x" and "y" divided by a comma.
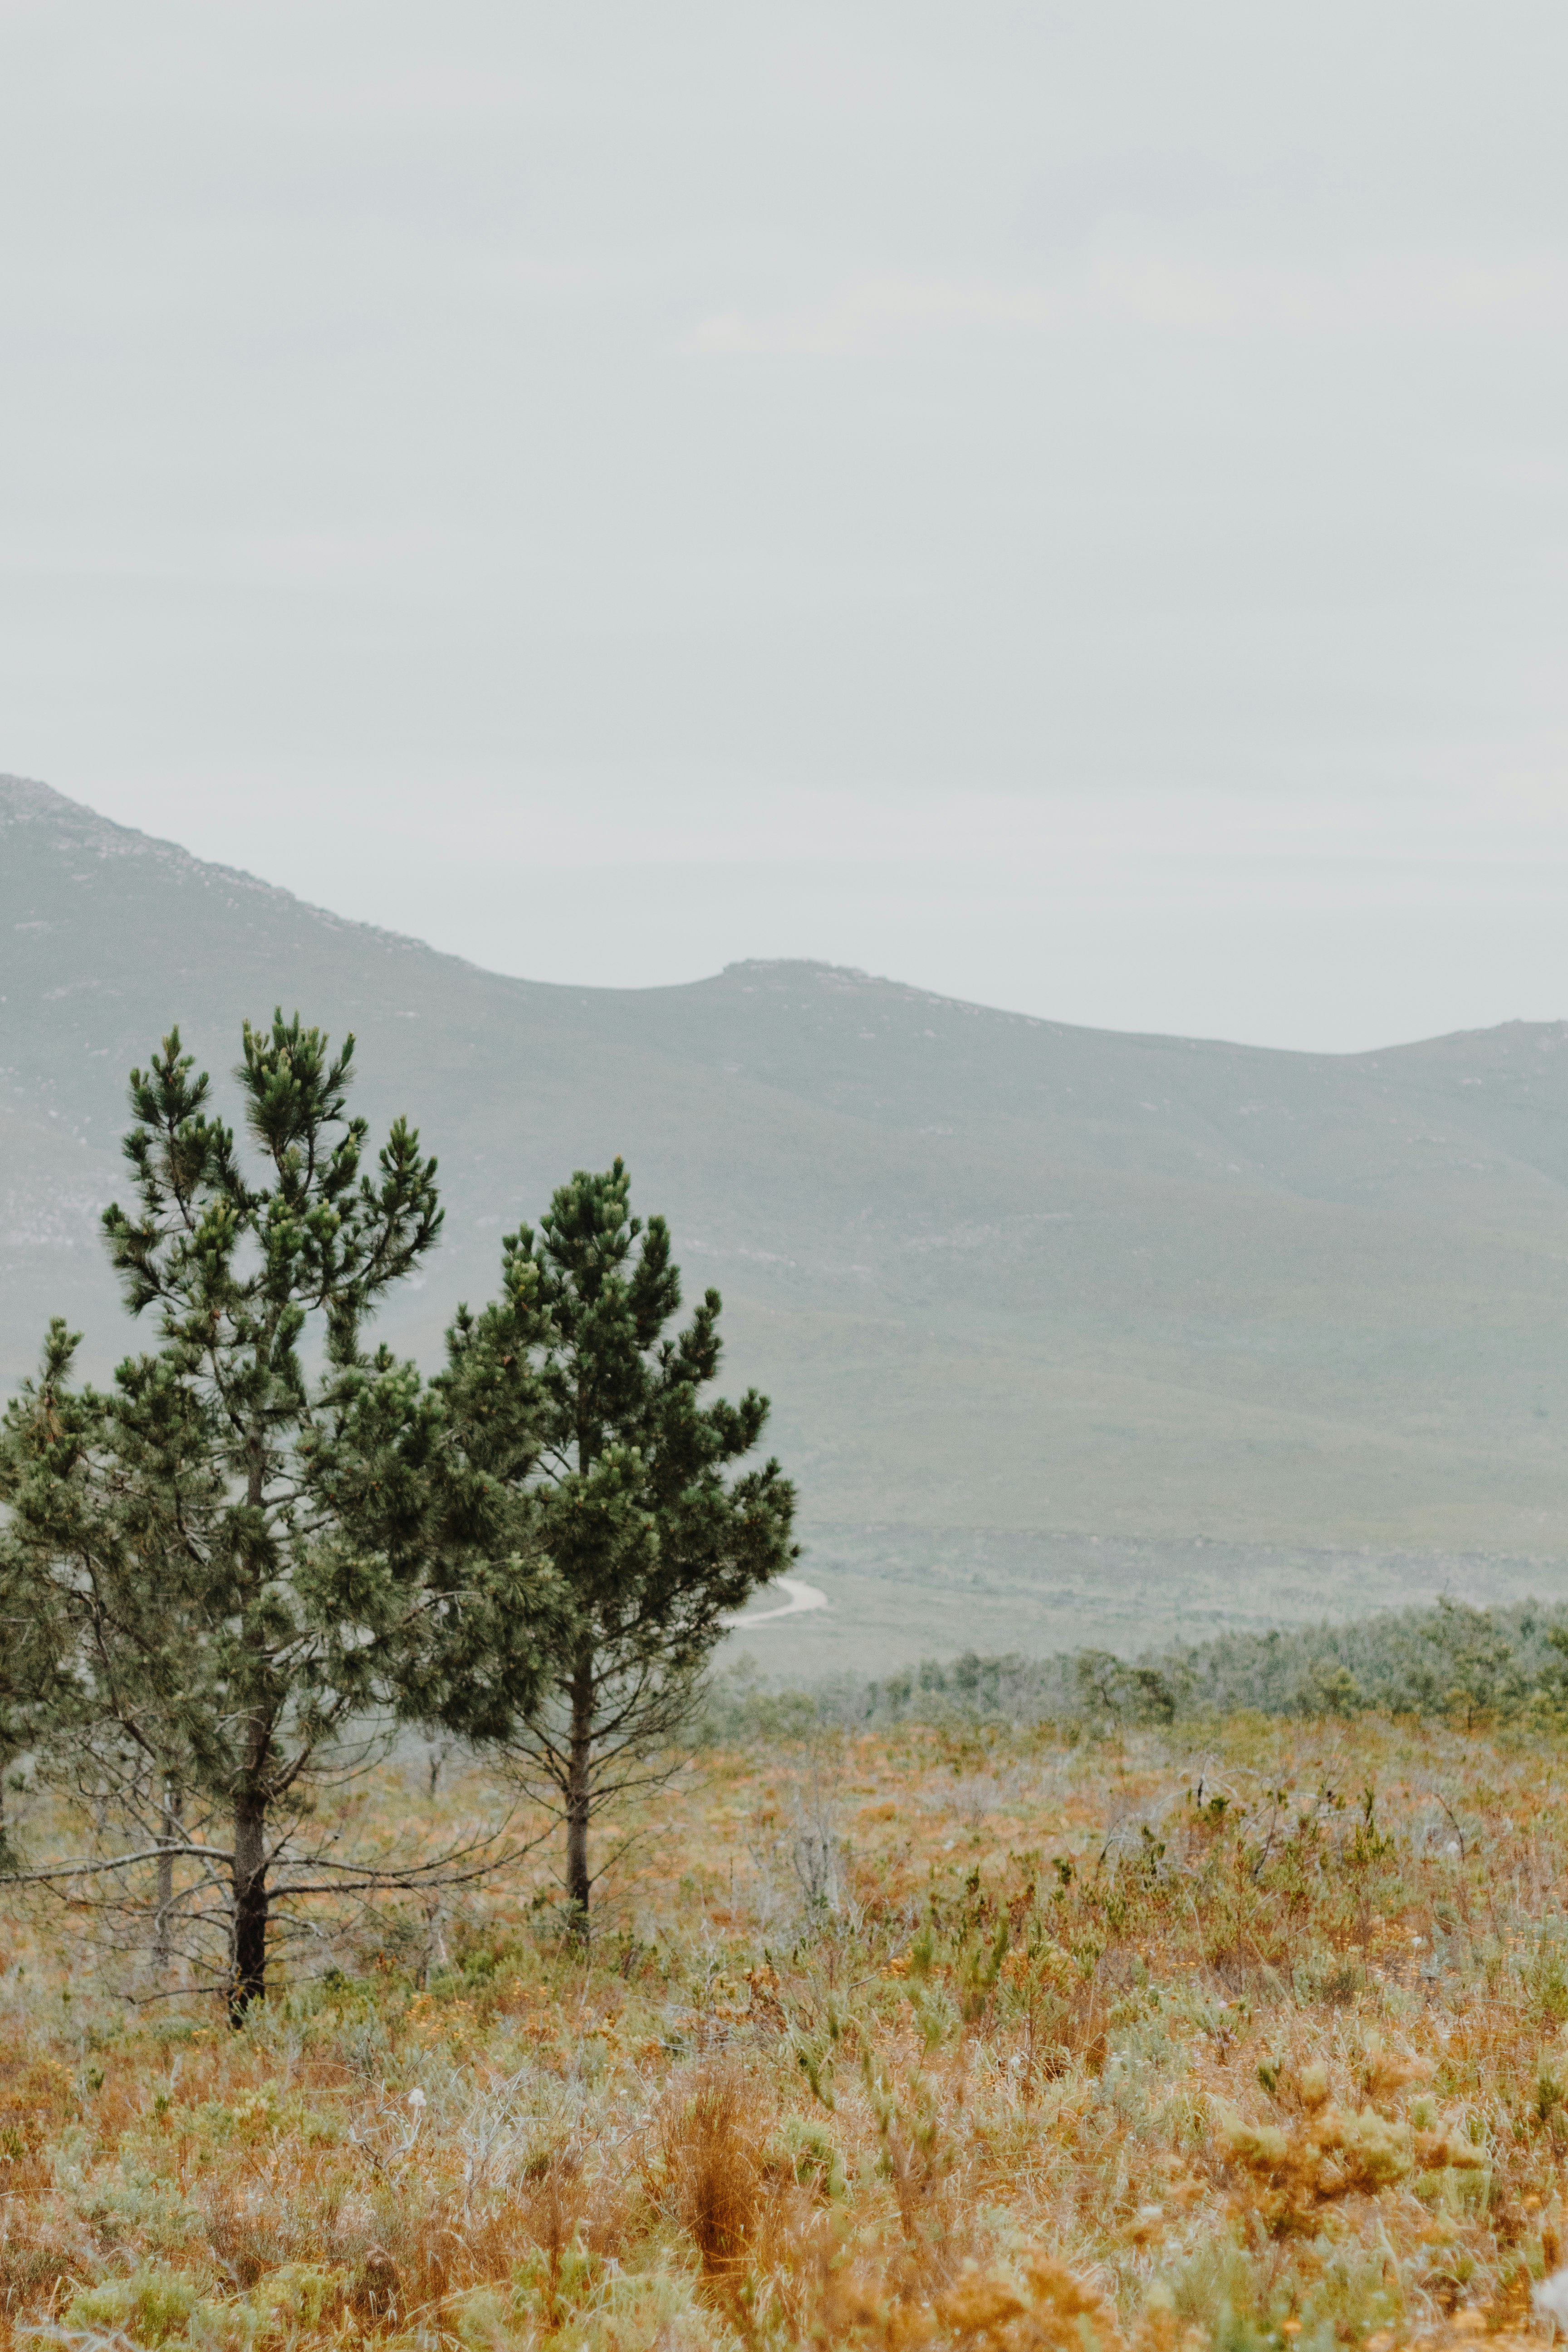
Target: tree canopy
{"x": 263, "y": 1536}
{"x": 249, "y": 1545}
{"x": 578, "y": 1399}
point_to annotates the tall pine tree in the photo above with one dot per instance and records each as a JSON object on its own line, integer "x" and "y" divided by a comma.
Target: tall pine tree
{"x": 37, "y": 1693}
{"x": 242, "y": 1534}
{"x": 571, "y": 1394}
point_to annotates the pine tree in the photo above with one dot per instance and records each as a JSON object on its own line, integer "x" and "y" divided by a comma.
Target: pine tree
{"x": 244, "y": 1547}
{"x": 572, "y": 1401}
{"x": 37, "y": 1692}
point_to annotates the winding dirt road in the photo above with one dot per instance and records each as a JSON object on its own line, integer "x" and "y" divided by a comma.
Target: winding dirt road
{"x": 801, "y": 1596}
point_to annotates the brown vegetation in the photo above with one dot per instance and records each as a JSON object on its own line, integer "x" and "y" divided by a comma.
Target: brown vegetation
{"x": 1077, "y": 2047}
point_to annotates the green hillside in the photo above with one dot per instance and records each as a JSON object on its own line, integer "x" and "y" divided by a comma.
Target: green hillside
{"x": 1071, "y": 1335}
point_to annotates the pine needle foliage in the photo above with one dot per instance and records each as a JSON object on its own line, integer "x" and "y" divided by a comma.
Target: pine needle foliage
{"x": 236, "y": 1538}
{"x": 572, "y": 1392}
{"x": 36, "y": 1689}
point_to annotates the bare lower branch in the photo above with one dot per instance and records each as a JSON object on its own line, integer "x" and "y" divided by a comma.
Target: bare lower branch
{"x": 119, "y": 1861}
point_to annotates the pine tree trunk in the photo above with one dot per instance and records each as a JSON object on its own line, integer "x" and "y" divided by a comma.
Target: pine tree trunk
{"x": 248, "y": 1979}
{"x": 163, "y": 1916}
{"x": 579, "y": 1790}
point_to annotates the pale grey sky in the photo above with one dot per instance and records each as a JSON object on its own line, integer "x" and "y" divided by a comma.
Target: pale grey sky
{"x": 1063, "y": 504}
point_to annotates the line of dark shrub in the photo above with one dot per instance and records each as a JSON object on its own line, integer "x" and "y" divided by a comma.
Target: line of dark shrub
{"x": 1449, "y": 1662}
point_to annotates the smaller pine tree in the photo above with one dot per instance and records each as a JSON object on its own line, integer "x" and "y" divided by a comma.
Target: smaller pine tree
{"x": 581, "y": 1409}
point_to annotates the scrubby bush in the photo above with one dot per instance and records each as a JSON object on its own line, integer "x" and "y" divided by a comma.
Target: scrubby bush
{"x": 1122, "y": 2034}
{"x": 1449, "y": 1663}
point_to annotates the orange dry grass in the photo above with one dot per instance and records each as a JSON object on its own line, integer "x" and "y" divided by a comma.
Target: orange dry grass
{"x": 1102, "y": 2048}
{"x": 710, "y": 2133}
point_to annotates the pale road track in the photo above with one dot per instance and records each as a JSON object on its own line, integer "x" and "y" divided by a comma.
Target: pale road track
{"x": 801, "y": 1596}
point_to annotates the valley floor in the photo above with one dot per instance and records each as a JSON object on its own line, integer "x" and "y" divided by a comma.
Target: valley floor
{"x": 1248, "y": 2037}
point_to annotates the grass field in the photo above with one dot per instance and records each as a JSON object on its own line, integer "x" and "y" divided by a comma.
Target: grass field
{"x": 1246, "y": 2035}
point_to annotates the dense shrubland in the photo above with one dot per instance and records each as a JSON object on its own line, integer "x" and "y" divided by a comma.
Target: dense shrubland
{"x": 968, "y": 2032}
{"x": 1450, "y": 1662}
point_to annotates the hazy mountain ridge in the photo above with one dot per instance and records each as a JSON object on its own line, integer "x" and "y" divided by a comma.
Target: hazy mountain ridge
{"x": 999, "y": 1274}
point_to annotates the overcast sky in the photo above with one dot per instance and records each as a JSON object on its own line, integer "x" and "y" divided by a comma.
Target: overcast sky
{"x": 1063, "y": 504}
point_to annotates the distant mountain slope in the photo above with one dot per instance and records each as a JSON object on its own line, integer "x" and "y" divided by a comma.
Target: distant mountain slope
{"x": 1014, "y": 1286}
